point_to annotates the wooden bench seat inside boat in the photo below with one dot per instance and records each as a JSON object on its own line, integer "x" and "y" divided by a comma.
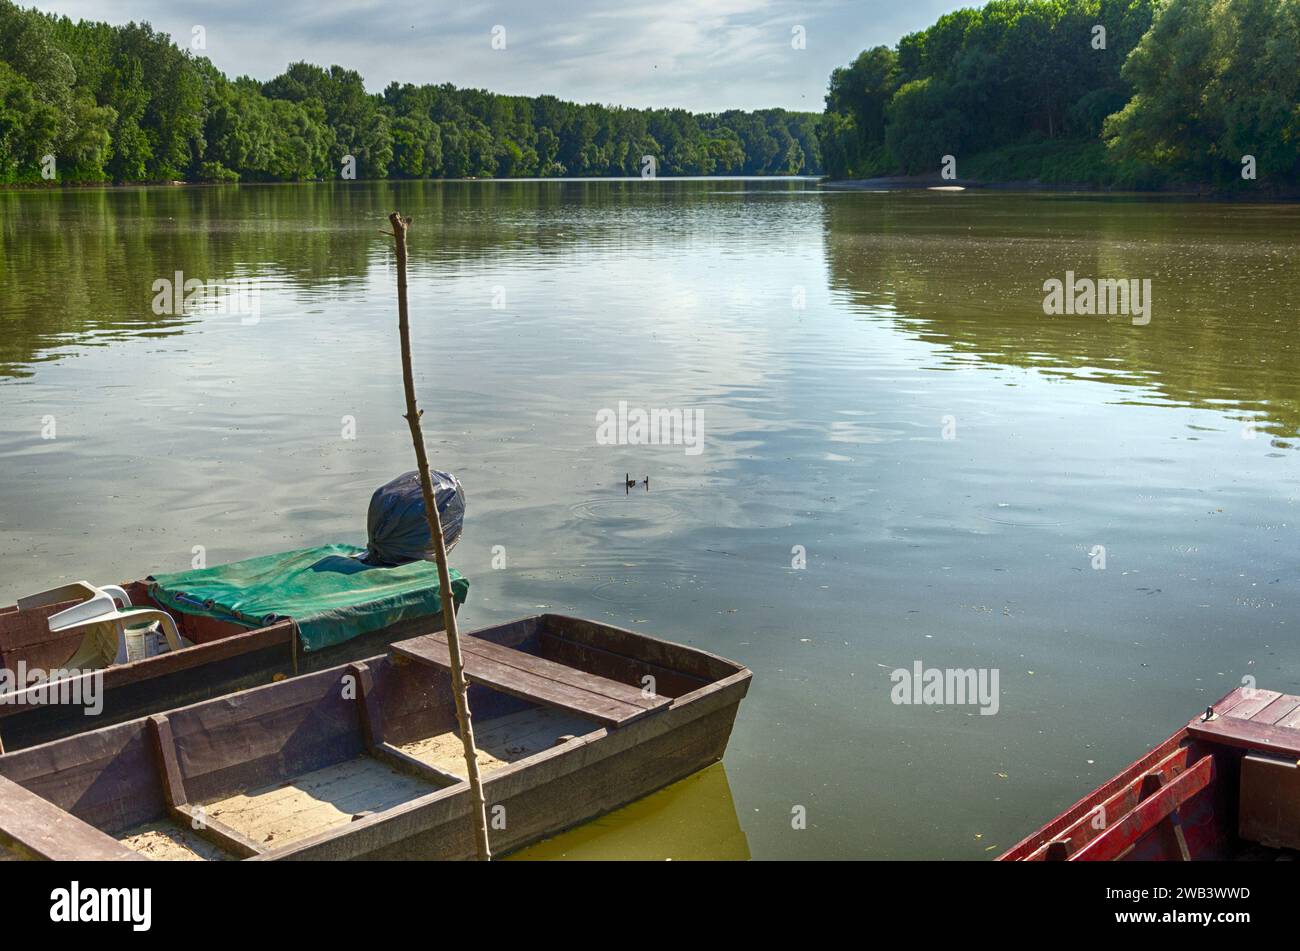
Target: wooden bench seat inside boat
{"x": 520, "y": 674}
{"x": 1266, "y": 725}
{"x": 1261, "y": 720}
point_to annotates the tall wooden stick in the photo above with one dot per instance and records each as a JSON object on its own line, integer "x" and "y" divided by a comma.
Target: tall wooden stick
{"x": 478, "y": 810}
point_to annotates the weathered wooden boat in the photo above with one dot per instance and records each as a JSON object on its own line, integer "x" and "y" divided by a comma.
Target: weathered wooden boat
{"x": 1225, "y": 786}
{"x": 230, "y": 627}
{"x": 572, "y": 719}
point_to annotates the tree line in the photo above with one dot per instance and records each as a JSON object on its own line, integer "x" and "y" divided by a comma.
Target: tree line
{"x": 1126, "y": 92}
{"x": 87, "y": 102}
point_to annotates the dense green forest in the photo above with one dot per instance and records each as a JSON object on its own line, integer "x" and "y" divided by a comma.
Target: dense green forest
{"x": 125, "y": 104}
{"x": 1175, "y": 91}
{"x": 1171, "y": 91}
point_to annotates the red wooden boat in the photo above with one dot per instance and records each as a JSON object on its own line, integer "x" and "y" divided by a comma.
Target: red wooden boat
{"x": 1225, "y": 786}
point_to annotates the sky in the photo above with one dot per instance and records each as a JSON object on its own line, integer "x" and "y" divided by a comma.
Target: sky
{"x": 701, "y": 55}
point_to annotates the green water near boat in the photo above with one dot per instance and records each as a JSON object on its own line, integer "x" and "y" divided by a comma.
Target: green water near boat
{"x": 692, "y": 820}
{"x": 831, "y": 342}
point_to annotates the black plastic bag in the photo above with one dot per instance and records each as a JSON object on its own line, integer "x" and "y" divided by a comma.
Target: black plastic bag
{"x": 398, "y": 531}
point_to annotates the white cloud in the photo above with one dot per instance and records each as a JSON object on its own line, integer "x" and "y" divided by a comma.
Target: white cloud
{"x": 703, "y": 55}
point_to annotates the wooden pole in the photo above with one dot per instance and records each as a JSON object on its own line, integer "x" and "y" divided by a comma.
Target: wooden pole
{"x": 478, "y": 810}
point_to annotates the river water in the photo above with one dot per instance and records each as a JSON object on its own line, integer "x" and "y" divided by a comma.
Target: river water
{"x": 899, "y": 457}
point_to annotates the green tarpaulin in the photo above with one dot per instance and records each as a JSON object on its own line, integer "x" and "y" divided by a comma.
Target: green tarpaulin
{"x": 331, "y": 595}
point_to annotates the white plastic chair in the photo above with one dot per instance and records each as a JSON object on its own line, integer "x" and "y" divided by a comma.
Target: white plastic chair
{"x": 99, "y": 606}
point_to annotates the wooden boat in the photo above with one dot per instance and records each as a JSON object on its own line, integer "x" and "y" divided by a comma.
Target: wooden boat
{"x": 229, "y": 651}
{"x": 572, "y": 719}
{"x": 1225, "y": 786}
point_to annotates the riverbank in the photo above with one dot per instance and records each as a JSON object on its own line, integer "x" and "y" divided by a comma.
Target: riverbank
{"x": 927, "y": 182}
{"x": 1062, "y": 165}
{"x": 937, "y": 183}
{"x": 57, "y": 186}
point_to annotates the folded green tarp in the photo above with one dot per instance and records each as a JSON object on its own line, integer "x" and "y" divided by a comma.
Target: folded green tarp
{"x": 331, "y": 595}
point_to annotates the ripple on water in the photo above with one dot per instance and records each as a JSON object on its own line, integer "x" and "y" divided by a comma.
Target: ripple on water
{"x": 642, "y": 584}
{"x": 1018, "y": 516}
{"x": 644, "y": 517}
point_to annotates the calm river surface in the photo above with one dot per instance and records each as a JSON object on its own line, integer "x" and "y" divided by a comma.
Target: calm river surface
{"x": 831, "y": 341}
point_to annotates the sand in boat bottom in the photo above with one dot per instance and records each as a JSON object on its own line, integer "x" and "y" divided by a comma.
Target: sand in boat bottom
{"x": 158, "y": 840}
{"x": 274, "y": 816}
{"x": 169, "y": 841}
{"x": 500, "y": 741}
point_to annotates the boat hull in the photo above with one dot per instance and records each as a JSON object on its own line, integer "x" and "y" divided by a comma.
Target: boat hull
{"x": 363, "y": 761}
{"x": 606, "y": 770}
